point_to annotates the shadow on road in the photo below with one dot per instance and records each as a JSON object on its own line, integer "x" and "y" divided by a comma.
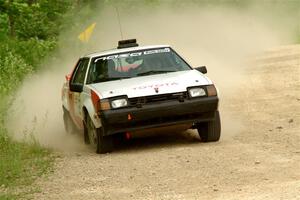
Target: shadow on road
{"x": 156, "y": 140}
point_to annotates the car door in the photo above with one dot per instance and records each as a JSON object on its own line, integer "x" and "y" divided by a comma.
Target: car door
{"x": 76, "y": 85}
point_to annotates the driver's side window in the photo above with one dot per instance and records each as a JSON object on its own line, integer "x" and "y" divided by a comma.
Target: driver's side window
{"x": 80, "y": 71}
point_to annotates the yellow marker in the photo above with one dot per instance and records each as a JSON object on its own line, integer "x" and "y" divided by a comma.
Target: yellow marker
{"x": 86, "y": 35}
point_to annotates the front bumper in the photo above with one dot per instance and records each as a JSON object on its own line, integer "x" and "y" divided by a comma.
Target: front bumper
{"x": 159, "y": 114}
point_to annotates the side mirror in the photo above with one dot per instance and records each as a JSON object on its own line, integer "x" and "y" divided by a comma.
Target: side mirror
{"x": 75, "y": 87}
{"x": 201, "y": 69}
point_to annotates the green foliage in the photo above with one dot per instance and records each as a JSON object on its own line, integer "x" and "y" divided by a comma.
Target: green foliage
{"x": 42, "y": 20}
{"x": 28, "y": 34}
{"x": 33, "y": 50}
{"x": 13, "y": 69}
{"x": 3, "y": 26}
{"x": 34, "y": 19}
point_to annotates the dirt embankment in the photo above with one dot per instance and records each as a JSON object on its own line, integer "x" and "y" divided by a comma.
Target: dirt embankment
{"x": 258, "y": 160}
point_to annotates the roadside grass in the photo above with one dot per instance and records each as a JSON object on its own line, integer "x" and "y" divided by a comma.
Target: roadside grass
{"x": 7, "y": 197}
{"x": 20, "y": 165}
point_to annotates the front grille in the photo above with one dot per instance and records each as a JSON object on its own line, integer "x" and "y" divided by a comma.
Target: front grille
{"x": 140, "y": 101}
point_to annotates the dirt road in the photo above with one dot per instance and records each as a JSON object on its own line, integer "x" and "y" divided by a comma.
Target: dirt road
{"x": 258, "y": 160}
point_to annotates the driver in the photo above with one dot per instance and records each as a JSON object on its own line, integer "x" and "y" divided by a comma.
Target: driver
{"x": 149, "y": 63}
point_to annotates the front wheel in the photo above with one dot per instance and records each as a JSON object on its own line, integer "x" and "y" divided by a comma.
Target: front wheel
{"x": 96, "y": 138}
{"x": 210, "y": 131}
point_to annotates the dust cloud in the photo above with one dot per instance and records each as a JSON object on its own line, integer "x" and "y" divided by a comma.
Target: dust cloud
{"x": 222, "y": 39}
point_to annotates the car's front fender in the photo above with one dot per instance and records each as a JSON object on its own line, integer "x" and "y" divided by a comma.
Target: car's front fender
{"x": 87, "y": 106}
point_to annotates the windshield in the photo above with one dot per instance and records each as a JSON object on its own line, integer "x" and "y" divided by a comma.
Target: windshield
{"x": 134, "y": 64}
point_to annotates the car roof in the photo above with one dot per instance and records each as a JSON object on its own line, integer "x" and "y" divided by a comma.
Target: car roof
{"x": 123, "y": 50}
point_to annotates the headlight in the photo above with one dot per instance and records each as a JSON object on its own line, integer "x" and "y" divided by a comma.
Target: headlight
{"x": 119, "y": 103}
{"x": 197, "y": 92}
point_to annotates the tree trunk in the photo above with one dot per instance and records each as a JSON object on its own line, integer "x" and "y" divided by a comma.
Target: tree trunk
{"x": 11, "y": 19}
{"x": 30, "y": 2}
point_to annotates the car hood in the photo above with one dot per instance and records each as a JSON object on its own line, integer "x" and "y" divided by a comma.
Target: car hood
{"x": 151, "y": 85}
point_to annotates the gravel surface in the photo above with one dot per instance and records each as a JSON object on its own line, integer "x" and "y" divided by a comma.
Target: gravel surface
{"x": 258, "y": 156}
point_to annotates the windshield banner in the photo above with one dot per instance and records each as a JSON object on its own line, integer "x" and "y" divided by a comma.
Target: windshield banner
{"x": 126, "y": 55}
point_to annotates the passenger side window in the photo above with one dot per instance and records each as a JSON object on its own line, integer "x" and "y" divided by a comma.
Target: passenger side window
{"x": 80, "y": 72}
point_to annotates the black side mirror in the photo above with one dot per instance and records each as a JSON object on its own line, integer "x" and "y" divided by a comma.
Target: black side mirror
{"x": 75, "y": 87}
{"x": 201, "y": 69}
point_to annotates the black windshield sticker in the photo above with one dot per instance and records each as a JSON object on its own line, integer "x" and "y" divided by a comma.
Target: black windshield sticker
{"x": 126, "y": 55}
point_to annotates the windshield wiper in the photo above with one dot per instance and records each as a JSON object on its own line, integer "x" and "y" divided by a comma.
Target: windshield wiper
{"x": 117, "y": 78}
{"x": 153, "y": 72}
{"x": 110, "y": 79}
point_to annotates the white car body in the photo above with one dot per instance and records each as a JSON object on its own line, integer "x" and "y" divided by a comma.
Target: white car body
{"x": 78, "y": 104}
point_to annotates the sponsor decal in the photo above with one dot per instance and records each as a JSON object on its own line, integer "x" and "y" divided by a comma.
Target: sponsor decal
{"x": 156, "y": 86}
{"x": 139, "y": 53}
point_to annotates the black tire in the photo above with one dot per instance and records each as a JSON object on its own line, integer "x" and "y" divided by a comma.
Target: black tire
{"x": 210, "y": 131}
{"x": 69, "y": 125}
{"x": 85, "y": 134}
{"x": 95, "y": 137}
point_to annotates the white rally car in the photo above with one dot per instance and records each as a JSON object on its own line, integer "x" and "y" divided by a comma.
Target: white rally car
{"x": 132, "y": 88}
